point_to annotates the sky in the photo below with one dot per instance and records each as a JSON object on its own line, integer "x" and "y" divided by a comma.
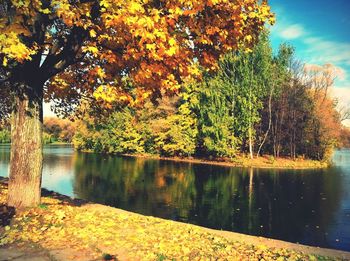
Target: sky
{"x": 320, "y": 32}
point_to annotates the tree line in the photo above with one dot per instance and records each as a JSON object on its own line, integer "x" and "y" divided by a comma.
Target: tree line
{"x": 258, "y": 102}
{"x": 5, "y": 132}
{"x": 54, "y": 130}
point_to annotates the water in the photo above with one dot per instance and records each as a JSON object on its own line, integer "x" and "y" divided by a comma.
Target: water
{"x": 307, "y": 206}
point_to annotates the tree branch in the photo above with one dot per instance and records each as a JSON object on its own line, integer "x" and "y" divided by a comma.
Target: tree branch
{"x": 55, "y": 64}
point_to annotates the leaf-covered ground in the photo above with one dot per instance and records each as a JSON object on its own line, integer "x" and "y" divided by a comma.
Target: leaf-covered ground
{"x": 96, "y": 231}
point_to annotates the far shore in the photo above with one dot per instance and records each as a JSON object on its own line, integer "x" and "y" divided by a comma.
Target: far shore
{"x": 261, "y": 162}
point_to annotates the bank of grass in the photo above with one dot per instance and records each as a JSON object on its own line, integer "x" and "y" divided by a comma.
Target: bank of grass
{"x": 265, "y": 161}
{"x": 98, "y": 232}
{"x": 45, "y": 143}
{"x": 59, "y": 143}
{"x": 241, "y": 160}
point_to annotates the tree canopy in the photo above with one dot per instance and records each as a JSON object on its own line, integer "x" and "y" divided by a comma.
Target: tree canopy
{"x": 87, "y": 47}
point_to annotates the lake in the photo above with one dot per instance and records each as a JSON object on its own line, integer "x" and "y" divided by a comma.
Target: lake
{"x": 307, "y": 206}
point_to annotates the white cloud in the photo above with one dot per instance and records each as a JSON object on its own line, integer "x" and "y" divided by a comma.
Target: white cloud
{"x": 292, "y": 32}
{"x": 342, "y": 94}
{"x": 346, "y": 123}
{"x": 325, "y": 51}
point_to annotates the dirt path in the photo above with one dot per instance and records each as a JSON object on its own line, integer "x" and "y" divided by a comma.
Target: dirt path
{"x": 33, "y": 252}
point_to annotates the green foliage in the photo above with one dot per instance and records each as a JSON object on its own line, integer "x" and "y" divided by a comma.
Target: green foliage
{"x": 161, "y": 257}
{"x": 257, "y": 102}
{"x": 42, "y": 206}
{"x": 48, "y": 138}
{"x": 229, "y": 103}
{"x": 5, "y": 136}
{"x": 215, "y": 122}
{"x": 162, "y": 129}
{"x": 116, "y": 134}
{"x": 177, "y": 137}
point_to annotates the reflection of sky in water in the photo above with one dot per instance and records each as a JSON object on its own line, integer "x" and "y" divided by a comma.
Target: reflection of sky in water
{"x": 55, "y": 179}
{"x": 4, "y": 169}
{"x": 58, "y": 169}
{"x": 306, "y": 206}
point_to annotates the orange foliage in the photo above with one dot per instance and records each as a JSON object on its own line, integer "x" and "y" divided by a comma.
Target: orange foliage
{"x": 344, "y": 137}
{"x": 156, "y": 44}
{"x": 328, "y": 117}
{"x": 61, "y": 129}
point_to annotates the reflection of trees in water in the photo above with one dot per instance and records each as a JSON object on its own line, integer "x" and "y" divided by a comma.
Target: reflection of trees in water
{"x": 58, "y": 165}
{"x": 4, "y": 154}
{"x": 58, "y": 159}
{"x": 53, "y": 161}
{"x": 293, "y": 205}
{"x": 290, "y": 206}
{"x": 141, "y": 185}
{"x": 4, "y": 160}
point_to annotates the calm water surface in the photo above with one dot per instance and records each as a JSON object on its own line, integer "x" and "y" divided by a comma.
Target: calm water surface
{"x": 306, "y": 206}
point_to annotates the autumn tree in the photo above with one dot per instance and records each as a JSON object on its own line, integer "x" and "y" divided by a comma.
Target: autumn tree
{"x": 325, "y": 124}
{"x": 69, "y": 49}
{"x": 344, "y": 137}
{"x": 60, "y": 129}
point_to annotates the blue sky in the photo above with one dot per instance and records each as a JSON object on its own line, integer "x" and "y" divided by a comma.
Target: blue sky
{"x": 320, "y": 32}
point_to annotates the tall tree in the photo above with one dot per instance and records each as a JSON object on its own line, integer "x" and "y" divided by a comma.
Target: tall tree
{"x": 212, "y": 106}
{"x": 65, "y": 50}
{"x": 247, "y": 77}
{"x": 274, "y": 75}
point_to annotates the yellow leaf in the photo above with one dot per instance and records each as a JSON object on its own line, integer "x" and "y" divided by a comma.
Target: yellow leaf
{"x": 46, "y": 11}
{"x": 172, "y": 41}
{"x": 171, "y": 51}
{"x": 92, "y": 33}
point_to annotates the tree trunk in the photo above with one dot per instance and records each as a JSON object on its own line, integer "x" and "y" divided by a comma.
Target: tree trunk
{"x": 26, "y": 148}
{"x": 270, "y": 122}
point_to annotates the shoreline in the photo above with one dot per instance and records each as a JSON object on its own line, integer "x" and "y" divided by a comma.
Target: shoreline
{"x": 137, "y": 224}
{"x": 245, "y": 238}
{"x": 262, "y": 162}
{"x": 241, "y": 162}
